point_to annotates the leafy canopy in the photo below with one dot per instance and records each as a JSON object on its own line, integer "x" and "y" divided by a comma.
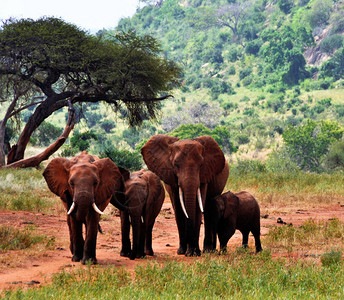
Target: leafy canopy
{"x": 308, "y": 143}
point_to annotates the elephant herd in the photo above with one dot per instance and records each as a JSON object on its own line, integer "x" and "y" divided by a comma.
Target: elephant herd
{"x": 194, "y": 172}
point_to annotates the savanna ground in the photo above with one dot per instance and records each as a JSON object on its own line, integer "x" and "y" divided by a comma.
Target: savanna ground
{"x": 301, "y": 258}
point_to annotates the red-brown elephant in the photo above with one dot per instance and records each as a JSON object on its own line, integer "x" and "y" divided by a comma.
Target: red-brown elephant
{"x": 194, "y": 171}
{"x": 144, "y": 194}
{"x": 86, "y": 185}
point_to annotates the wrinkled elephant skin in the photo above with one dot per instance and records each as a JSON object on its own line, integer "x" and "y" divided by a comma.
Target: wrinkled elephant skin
{"x": 194, "y": 172}
{"x": 85, "y": 184}
{"x": 235, "y": 211}
{"x": 144, "y": 196}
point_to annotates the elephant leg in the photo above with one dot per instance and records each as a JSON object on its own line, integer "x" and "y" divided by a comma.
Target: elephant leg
{"x": 210, "y": 225}
{"x": 135, "y": 223}
{"x": 245, "y": 234}
{"x": 91, "y": 238}
{"x": 76, "y": 238}
{"x": 225, "y": 233}
{"x": 125, "y": 231}
{"x": 193, "y": 231}
{"x": 181, "y": 225}
{"x": 142, "y": 237}
{"x": 256, "y": 234}
{"x": 148, "y": 242}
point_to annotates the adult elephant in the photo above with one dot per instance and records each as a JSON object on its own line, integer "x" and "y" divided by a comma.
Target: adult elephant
{"x": 144, "y": 196}
{"x": 86, "y": 185}
{"x": 194, "y": 171}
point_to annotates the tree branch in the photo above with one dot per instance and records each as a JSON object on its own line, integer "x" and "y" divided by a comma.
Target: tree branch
{"x": 36, "y": 160}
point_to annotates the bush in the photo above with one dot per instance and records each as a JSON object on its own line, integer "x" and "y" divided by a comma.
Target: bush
{"x": 244, "y": 72}
{"x": 248, "y": 166}
{"x": 331, "y": 44}
{"x": 331, "y": 258}
{"x": 123, "y": 158}
{"x": 243, "y": 139}
{"x": 335, "y": 157}
{"x": 45, "y": 134}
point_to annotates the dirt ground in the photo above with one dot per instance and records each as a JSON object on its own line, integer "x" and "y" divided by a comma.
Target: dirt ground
{"x": 32, "y": 269}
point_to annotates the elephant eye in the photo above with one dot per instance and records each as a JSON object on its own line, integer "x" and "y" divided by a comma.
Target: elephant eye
{"x": 95, "y": 183}
{"x": 71, "y": 183}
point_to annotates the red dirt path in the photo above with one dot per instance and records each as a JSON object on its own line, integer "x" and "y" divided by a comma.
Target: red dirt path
{"x": 41, "y": 267}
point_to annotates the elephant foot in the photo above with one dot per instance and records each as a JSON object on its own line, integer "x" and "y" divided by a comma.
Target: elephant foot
{"x": 208, "y": 249}
{"x": 193, "y": 252}
{"x": 149, "y": 252}
{"x": 89, "y": 260}
{"x": 125, "y": 253}
{"x": 76, "y": 258}
{"x": 259, "y": 250}
{"x": 181, "y": 251}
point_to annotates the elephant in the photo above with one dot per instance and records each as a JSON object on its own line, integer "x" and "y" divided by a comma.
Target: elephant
{"x": 144, "y": 194}
{"x": 194, "y": 172}
{"x": 86, "y": 185}
{"x": 232, "y": 211}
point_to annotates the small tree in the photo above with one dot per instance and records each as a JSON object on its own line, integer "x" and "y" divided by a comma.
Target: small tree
{"x": 47, "y": 62}
{"x": 308, "y": 143}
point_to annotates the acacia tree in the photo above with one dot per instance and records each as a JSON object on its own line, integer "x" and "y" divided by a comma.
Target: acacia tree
{"x": 48, "y": 62}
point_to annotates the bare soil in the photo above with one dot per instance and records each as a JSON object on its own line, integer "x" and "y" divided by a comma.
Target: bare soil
{"x": 20, "y": 269}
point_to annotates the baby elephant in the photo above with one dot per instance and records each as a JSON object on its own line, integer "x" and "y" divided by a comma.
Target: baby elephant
{"x": 235, "y": 211}
{"x": 144, "y": 196}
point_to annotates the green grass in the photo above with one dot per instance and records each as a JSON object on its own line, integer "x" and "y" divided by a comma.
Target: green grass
{"x": 14, "y": 239}
{"x": 285, "y": 186}
{"x": 24, "y": 189}
{"x": 311, "y": 235}
{"x": 234, "y": 276}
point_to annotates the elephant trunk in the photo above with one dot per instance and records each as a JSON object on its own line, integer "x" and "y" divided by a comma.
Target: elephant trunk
{"x": 83, "y": 202}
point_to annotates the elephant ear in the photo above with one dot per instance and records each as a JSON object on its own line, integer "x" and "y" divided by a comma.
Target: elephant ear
{"x": 156, "y": 154}
{"x": 214, "y": 160}
{"x": 231, "y": 203}
{"x": 56, "y": 175}
{"x": 110, "y": 180}
{"x": 154, "y": 184}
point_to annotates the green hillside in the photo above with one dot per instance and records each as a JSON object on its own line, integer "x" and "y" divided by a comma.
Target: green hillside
{"x": 251, "y": 69}
{"x": 253, "y": 66}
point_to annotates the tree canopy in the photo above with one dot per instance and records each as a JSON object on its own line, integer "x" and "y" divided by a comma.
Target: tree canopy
{"x": 47, "y": 62}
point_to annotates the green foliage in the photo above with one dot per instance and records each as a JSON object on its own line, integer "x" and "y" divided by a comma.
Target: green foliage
{"x": 334, "y": 159}
{"x": 308, "y": 143}
{"x": 123, "y": 158}
{"x": 45, "y": 134}
{"x": 15, "y": 239}
{"x": 331, "y": 43}
{"x": 235, "y": 275}
{"x": 285, "y": 5}
{"x": 24, "y": 189}
{"x": 332, "y": 258}
{"x": 334, "y": 67}
{"x": 320, "y": 13}
{"x": 220, "y": 134}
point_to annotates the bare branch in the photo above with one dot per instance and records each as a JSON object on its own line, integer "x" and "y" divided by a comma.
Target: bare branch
{"x": 36, "y": 160}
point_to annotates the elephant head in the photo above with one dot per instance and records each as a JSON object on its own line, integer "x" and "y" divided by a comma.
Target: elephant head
{"x": 144, "y": 195}
{"x": 85, "y": 185}
{"x": 187, "y": 166}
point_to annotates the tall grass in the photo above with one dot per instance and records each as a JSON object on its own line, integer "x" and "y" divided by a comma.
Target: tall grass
{"x": 15, "y": 239}
{"x": 287, "y": 186}
{"x": 24, "y": 189}
{"x": 234, "y": 276}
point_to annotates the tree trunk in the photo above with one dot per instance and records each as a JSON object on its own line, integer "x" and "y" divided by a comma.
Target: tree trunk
{"x": 36, "y": 160}
{"x": 42, "y": 112}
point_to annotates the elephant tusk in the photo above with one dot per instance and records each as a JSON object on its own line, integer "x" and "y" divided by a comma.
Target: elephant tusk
{"x": 97, "y": 209}
{"x": 200, "y": 200}
{"x": 71, "y": 208}
{"x": 182, "y": 202}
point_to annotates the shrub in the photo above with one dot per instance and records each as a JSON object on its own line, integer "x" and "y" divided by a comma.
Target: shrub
{"x": 331, "y": 43}
{"x": 331, "y": 258}
{"x": 335, "y": 156}
{"x": 248, "y": 166}
{"x": 45, "y": 134}
{"x": 244, "y": 72}
{"x": 123, "y": 158}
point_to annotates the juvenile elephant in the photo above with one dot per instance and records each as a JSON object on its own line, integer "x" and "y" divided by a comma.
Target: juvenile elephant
{"x": 194, "y": 172}
{"x": 235, "y": 211}
{"x": 144, "y": 198}
{"x": 86, "y": 185}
